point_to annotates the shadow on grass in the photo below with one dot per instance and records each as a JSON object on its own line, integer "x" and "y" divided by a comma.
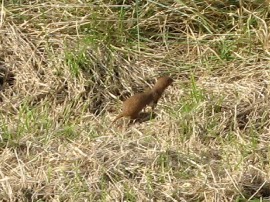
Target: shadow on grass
{"x": 145, "y": 116}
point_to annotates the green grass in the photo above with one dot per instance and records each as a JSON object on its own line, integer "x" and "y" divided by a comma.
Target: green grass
{"x": 73, "y": 63}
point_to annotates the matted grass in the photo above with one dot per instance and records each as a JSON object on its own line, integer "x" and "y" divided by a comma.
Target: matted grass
{"x": 75, "y": 61}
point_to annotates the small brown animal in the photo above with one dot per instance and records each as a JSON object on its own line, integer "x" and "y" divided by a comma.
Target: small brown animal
{"x": 133, "y": 105}
{"x": 158, "y": 89}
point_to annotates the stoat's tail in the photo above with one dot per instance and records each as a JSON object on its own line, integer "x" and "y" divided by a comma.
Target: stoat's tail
{"x": 118, "y": 117}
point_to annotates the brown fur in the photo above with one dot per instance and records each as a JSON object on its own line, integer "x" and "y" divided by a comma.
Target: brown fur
{"x": 133, "y": 105}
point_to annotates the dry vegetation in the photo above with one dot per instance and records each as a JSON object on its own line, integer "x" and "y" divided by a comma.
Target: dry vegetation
{"x": 65, "y": 66}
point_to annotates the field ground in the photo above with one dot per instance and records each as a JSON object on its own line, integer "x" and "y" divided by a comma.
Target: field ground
{"x": 72, "y": 62}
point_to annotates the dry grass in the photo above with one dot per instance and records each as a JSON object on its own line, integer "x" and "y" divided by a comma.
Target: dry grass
{"x": 74, "y": 60}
